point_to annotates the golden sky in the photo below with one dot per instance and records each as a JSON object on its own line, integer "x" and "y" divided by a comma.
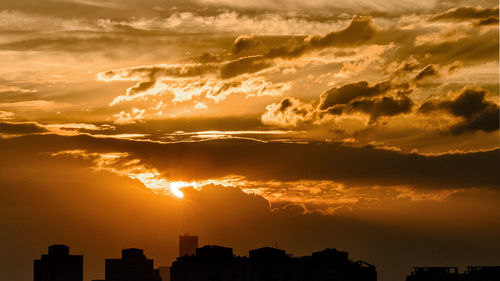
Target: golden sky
{"x": 367, "y": 126}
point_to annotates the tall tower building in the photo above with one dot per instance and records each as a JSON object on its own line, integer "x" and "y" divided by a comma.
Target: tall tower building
{"x": 58, "y": 265}
{"x": 133, "y": 266}
{"x": 187, "y": 245}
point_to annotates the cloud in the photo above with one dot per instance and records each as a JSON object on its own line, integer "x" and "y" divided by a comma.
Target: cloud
{"x": 463, "y": 13}
{"x": 352, "y": 91}
{"x": 360, "y": 30}
{"x": 408, "y": 65}
{"x": 437, "y": 43}
{"x": 412, "y": 67}
{"x": 12, "y": 128}
{"x": 243, "y": 43}
{"x": 471, "y": 106}
{"x": 78, "y": 127}
{"x": 488, "y": 21}
{"x": 21, "y": 128}
{"x": 318, "y": 6}
{"x": 6, "y": 115}
{"x": 217, "y": 79}
{"x": 381, "y": 99}
{"x": 14, "y": 89}
{"x": 290, "y": 112}
{"x": 207, "y": 58}
{"x": 243, "y": 65}
{"x": 16, "y": 94}
{"x": 363, "y": 166}
{"x": 200, "y": 105}
{"x": 321, "y": 196}
{"x": 34, "y": 105}
{"x": 124, "y": 118}
{"x": 153, "y": 72}
{"x": 428, "y": 71}
{"x": 167, "y": 91}
{"x": 378, "y": 107}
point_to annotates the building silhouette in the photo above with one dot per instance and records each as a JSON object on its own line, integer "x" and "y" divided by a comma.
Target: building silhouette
{"x": 473, "y": 273}
{"x": 216, "y": 263}
{"x": 133, "y": 266}
{"x": 187, "y": 245}
{"x": 58, "y": 265}
{"x": 164, "y": 273}
{"x": 209, "y": 263}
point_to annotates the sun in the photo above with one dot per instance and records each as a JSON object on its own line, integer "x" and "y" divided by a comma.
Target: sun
{"x": 177, "y": 185}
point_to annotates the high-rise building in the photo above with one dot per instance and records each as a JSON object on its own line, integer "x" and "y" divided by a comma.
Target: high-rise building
{"x": 269, "y": 264}
{"x": 209, "y": 263}
{"x": 133, "y": 266}
{"x": 187, "y": 245}
{"x": 58, "y": 265}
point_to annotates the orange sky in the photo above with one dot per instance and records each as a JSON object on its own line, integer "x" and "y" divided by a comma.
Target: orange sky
{"x": 367, "y": 126}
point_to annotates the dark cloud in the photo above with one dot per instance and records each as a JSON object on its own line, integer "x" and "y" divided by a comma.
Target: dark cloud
{"x": 243, "y": 65}
{"x": 243, "y": 43}
{"x": 284, "y": 104}
{"x": 207, "y": 58}
{"x": 408, "y": 65}
{"x": 290, "y": 112}
{"x": 381, "y": 99}
{"x": 466, "y": 13}
{"x": 287, "y": 51}
{"x": 477, "y": 113}
{"x": 378, "y": 107}
{"x": 15, "y": 128}
{"x": 290, "y": 104}
{"x": 488, "y": 21}
{"x": 210, "y": 65}
{"x": 364, "y": 166}
{"x": 428, "y": 71}
{"x": 154, "y": 72}
{"x": 141, "y": 87}
{"x": 359, "y": 31}
{"x": 350, "y": 92}
{"x": 454, "y": 66}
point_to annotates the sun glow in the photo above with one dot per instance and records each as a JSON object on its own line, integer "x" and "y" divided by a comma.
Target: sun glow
{"x": 177, "y": 185}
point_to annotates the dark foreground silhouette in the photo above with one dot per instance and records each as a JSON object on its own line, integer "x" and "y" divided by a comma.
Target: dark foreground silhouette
{"x": 473, "y": 273}
{"x": 217, "y": 263}
{"x": 58, "y": 265}
{"x": 211, "y": 263}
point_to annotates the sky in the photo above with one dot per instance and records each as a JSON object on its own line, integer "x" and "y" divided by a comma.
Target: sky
{"x": 367, "y": 126}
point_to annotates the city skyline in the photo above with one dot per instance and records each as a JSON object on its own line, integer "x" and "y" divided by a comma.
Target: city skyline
{"x": 219, "y": 263}
{"x": 365, "y": 125}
